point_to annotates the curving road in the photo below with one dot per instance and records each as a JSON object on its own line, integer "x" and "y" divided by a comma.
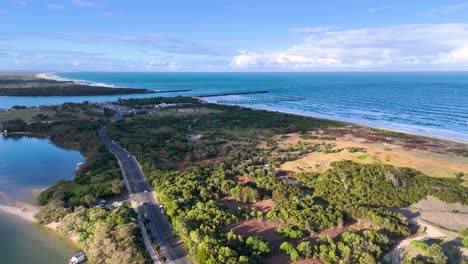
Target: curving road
{"x": 160, "y": 227}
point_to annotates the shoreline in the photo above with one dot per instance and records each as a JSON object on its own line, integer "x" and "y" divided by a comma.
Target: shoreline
{"x": 48, "y": 85}
{"x": 27, "y": 211}
{"x": 54, "y": 76}
{"x": 355, "y": 123}
{"x": 410, "y": 133}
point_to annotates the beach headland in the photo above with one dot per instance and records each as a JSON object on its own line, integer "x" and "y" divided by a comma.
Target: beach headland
{"x": 30, "y": 84}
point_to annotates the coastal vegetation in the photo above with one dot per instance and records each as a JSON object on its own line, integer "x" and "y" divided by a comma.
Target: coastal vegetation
{"x": 30, "y": 85}
{"x": 236, "y": 160}
{"x": 19, "y": 115}
{"x": 106, "y": 235}
{"x": 215, "y": 168}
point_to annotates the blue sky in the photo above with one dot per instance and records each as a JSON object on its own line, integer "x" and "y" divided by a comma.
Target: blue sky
{"x": 233, "y": 35}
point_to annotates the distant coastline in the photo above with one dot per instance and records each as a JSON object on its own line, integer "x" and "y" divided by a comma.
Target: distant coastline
{"x": 425, "y": 120}
{"x": 44, "y": 84}
{"x": 52, "y": 76}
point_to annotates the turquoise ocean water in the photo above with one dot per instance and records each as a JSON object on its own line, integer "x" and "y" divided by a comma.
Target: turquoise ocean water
{"x": 429, "y": 103}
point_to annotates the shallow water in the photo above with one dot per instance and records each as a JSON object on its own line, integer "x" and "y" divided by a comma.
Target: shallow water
{"x": 31, "y": 163}
{"x": 25, "y": 242}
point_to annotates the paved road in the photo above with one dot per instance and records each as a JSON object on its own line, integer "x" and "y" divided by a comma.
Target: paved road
{"x": 159, "y": 225}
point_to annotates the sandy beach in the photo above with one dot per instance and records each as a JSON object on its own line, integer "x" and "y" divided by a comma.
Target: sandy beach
{"x": 27, "y": 211}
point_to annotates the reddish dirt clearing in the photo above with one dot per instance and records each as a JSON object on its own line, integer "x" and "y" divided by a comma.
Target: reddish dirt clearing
{"x": 256, "y": 227}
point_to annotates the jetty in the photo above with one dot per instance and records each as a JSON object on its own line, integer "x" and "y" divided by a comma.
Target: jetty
{"x": 262, "y": 100}
{"x": 170, "y": 91}
{"x": 231, "y": 93}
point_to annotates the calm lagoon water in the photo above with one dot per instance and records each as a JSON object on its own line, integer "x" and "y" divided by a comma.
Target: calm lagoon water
{"x": 430, "y": 103}
{"x": 31, "y": 163}
{"x": 24, "y": 242}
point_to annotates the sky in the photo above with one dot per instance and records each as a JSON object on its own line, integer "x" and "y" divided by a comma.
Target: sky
{"x": 233, "y": 35}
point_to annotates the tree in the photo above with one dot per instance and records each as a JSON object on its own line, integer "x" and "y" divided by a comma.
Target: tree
{"x": 306, "y": 249}
{"x": 437, "y": 254}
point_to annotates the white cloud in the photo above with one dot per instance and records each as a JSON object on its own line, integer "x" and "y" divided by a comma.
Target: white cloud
{"x": 419, "y": 46}
{"x": 245, "y": 59}
{"x": 450, "y": 8}
{"x": 455, "y": 56}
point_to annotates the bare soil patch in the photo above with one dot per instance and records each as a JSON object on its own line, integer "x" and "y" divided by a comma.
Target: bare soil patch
{"x": 277, "y": 257}
{"x": 257, "y": 227}
{"x": 263, "y": 206}
{"x": 430, "y": 163}
{"x": 407, "y": 141}
{"x": 451, "y": 217}
{"x": 333, "y": 232}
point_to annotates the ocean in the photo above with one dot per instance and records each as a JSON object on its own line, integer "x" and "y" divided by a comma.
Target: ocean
{"x": 427, "y": 103}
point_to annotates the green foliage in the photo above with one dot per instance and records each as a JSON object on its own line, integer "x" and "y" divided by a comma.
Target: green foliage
{"x": 419, "y": 244}
{"x": 349, "y": 247}
{"x": 324, "y": 137}
{"x": 363, "y": 189}
{"x": 354, "y": 149}
{"x": 160, "y": 100}
{"x": 191, "y": 179}
{"x": 98, "y": 177}
{"x": 54, "y": 211}
{"x": 291, "y": 233}
{"x": 437, "y": 254}
{"x": 258, "y": 244}
{"x": 107, "y": 236}
{"x": 306, "y": 249}
{"x": 465, "y": 242}
{"x": 308, "y": 214}
{"x": 464, "y": 232}
{"x": 244, "y": 194}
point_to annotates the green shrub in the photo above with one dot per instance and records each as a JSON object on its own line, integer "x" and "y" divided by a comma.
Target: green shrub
{"x": 464, "y": 232}
{"x": 289, "y": 232}
{"x": 419, "y": 244}
{"x": 465, "y": 242}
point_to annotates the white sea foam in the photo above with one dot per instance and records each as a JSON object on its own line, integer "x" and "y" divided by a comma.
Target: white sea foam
{"x": 53, "y": 76}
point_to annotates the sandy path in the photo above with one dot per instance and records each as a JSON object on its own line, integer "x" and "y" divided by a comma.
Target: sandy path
{"x": 429, "y": 233}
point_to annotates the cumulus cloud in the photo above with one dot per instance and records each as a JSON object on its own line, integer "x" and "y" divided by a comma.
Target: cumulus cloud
{"x": 245, "y": 59}
{"x": 416, "y": 46}
{"x": 455, "y": 56}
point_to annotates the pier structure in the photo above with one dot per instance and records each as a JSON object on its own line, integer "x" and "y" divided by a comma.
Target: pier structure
{"x": 230, "y": 93}
{"x": 262, "y": 100}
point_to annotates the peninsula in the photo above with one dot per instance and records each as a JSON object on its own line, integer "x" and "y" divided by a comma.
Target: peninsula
{"x": 29, "y": 84}
{"x": 240, "y": 185}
